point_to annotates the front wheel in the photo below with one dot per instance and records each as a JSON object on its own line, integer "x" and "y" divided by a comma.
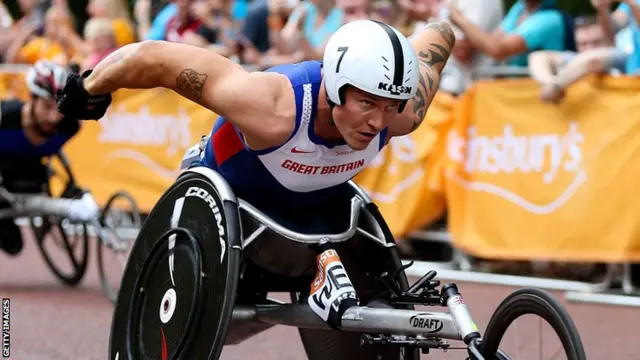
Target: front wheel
{"x": 536, "y": 302}
{"x": 53, "y": 235}
{"x": 120, "y": 223}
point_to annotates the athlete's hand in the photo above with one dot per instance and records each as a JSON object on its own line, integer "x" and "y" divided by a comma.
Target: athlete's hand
{"x": 74, "y": 100}
{"x": 551, "y": 93}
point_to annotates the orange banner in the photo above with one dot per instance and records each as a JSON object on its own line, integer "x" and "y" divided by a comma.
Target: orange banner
{"x": 527, "y": 180}
{"x": 12, "y": 85}
{"x": 138, "y": 145}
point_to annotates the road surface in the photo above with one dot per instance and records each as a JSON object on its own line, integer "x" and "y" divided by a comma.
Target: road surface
{"x": 52, "y": 322}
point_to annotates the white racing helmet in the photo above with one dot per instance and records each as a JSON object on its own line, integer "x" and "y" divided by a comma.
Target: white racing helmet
{"x": 373, "y": 57}
{"x": 44, "y": 78}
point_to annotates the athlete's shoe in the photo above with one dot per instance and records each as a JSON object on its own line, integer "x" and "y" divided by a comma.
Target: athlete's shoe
{"x": 10, "y": 237}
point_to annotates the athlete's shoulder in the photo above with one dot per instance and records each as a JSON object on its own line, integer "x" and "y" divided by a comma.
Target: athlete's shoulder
{"x": 11, "y": 114}
{"x": 299, "y": 73}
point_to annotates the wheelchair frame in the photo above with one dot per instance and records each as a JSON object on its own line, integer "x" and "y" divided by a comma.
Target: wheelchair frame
{"x": 426, "y": 328}
{"x": 17, "y": 201}
{"x": 20, "y": 211}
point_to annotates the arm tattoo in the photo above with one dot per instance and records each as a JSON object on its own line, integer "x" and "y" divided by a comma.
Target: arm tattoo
{"x": 191, "y": 83}
{"x": 435, "y": 55}
{"x": 418, "y": 108}
{"x": 440, "y": 54}
{"x": 447, "y": 33}
{"x": 419, "y": 101}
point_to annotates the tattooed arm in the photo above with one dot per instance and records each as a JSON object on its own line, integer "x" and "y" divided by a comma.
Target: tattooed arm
{"x": 260, "y": 104}
{"x": 433, "y": 46}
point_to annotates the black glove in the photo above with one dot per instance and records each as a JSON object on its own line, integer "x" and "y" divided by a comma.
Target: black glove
{"x": 76, "y": 102}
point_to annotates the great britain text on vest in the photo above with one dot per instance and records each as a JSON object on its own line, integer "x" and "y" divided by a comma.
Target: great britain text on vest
{"x": 323, "y": 170}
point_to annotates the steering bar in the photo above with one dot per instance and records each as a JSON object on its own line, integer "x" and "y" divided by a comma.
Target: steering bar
{"x": 267, "y": 222}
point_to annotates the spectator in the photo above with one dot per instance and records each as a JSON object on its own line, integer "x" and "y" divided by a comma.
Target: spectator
{"x": 158, "y": 30}
{"x": 238, "y": 9}
{"x": 6, "y": 21}
{"x": 182, "y": 22}
{"x": 417, "y": 14}
{"x": 100, "y": 40}
{"x": 53, "y": 44}
{"x": 486, "y": 15}
{"x": 31, "y": 21}
{"x": 624, "y": 40}
{"x": 557, "y": 70}
{"x": 355, "y": 9}
{"x": 155, "y": 30}
{"x": 217, "y": 28}
{"x": 118, "y": 13}
{"x": 529, "y": 25}
{"x": 314, "y": 21}
{"x": 390, "y": 12}
{"x": 263, "y": 17}
{"x": 260, "y": 29}
{"x": 627, "y": 14}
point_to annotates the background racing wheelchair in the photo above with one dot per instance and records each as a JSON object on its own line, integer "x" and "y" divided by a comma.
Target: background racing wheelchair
{"x": 34, "y": 191}
{"x": 199, "y": 272}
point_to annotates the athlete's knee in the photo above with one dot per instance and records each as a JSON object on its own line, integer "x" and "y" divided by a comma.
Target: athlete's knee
{"x": 194, "y": 155}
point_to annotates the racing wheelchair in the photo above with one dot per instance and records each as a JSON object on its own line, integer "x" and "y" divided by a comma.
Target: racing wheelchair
{"x": 204, "y": 261}
{"x": 28, "y": 198}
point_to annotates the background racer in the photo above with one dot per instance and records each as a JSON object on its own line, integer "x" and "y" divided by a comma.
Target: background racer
{"x": 29, "y": 132}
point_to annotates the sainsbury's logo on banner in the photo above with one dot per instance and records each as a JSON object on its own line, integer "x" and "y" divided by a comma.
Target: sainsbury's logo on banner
{"x": 142, "y": 129}
{"x": 541, "y": 156}
{"x": 168, "y": 135}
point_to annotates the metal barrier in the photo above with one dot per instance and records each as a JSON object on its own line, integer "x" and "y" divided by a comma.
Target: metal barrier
{"x": 13, "y": 68}
{"x": 501, "y": 71}
{"x": 461, "y": 268}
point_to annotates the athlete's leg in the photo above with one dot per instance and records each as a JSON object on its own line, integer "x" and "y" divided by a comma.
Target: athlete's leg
{"x": 10, "y": 236}
{"x": 25, "y": 175}
{"x": 361, "y": 259}
{"x": 28, "y": 178}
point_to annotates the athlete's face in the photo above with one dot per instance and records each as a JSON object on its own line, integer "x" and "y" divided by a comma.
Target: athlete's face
{"x": 45, "y": 116}
{"x": 363, "y": 116}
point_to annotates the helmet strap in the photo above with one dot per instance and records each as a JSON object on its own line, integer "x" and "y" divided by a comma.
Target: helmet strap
{"x": 332, "y": 105}
{"x": 402, "y": 106}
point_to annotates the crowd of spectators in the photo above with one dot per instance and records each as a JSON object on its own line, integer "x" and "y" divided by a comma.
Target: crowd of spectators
{"x": 532, "y": 34}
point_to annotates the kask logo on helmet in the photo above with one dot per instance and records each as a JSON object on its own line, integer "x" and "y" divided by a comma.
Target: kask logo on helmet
{"x": 394, "y": 89}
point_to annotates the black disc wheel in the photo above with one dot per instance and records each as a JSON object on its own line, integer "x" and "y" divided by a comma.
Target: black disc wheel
{"x": 178, "y": 289}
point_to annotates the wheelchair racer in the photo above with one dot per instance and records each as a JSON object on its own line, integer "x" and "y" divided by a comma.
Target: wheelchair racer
{"x": 30, "y": 131}
{"x": 293, "y": 134}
